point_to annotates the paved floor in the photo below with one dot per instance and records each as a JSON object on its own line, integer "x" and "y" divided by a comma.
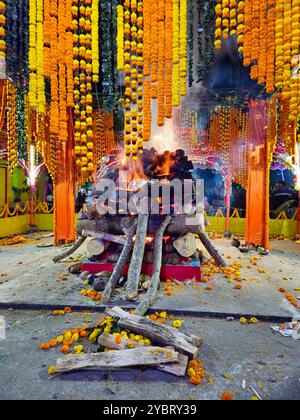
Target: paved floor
{"x": 33, "y": 278}
{"x": 268, "y": 362}
{"x": 231, "y": 352}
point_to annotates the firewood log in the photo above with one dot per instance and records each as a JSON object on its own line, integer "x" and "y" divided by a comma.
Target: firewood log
{"x": 207, "y": 243}
{"x": 178, "y": 368}
{"x": 137, "y": 257}
{"x": 96, "y": 247}
{"x": 106, "y": 236}
{"x": 151, "y": 294}
{"x": 150, "y": 356}
{"x": 117, "y": 273}
{"x": 186, "y": 245}
{"x": 163, "y": 334}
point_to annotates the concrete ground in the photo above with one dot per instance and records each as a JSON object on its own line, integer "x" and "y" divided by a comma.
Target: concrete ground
{"x": 231, "y": 352}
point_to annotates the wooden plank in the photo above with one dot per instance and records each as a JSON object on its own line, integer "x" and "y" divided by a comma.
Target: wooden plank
{"x": 145, "y": 356}
{"x": 178, "y": 368}
{"x": 162, "y": 334}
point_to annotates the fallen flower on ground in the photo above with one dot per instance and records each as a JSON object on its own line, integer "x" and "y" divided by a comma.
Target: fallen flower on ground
{"x": 226, "y": 396}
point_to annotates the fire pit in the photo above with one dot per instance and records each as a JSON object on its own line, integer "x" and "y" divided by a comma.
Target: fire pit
{"x": 144, "y": 221}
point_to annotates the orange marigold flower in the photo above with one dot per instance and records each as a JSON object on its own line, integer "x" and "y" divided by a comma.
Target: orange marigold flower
{"x": 227, "y": 396}
{"x": 65, "y": 349}
{"x": 195, "y": 380}
{"x": 44, "y": 346}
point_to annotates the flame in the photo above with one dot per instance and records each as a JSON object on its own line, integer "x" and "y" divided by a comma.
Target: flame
{"x": 164, "y": 164}
{"x": 134, "y": 169}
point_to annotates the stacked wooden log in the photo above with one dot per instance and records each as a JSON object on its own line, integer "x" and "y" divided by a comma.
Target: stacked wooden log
{"x": 170, "y": 353}
{"x": 129, "y": 233}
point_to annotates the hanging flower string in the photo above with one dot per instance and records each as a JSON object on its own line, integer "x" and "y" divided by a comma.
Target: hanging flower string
{"x": 2, "y": 36}
{"x": 12, "y": 144}
{"x": 83, "y": 53}
{"x": 120, "y": 37}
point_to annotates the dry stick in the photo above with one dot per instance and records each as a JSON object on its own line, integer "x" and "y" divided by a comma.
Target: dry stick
{"x": 117, "y": 273}
{"x": 137, "y": 257}
{"x": 70, "y": 250}
{"x": 212, "y": 250}
{"x": 151, "y": 294}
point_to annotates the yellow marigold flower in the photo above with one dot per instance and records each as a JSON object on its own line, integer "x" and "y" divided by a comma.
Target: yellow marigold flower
{"x": 191, "y": 372}
{"x": 253, "y": 320}
{"x": 243, "y": 321}
{"x": 68, "y": 335}
{"x": 78, "y": 349}
{"x": 177, "y": 323}
{"x": 51, "y": 370}
{"x": 75, "y": 337}
{"x": 60, "y": 339}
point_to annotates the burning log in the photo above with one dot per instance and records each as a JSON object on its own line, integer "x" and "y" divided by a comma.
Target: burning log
{"x": 137, "y": 257}
{"x": 70, "y": 250}
{"x": 117, "y": 273}
{"x": 150, "y": 297}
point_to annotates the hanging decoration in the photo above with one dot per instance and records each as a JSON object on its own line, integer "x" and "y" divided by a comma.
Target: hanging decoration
{"x": 12, "y": 143}
{"x": 206, "y": 17}
{"x": 95, "y": 40}
{"x": 32, "y": 53}
{"x": 104, "y": 133}
{"x": 183, "y": 46}
{"x": 83, "y": 77}
{"x": 155, "y": 65}
{"x": 176, "y": 55}
{"x": 206, "y": 37}
{"x": 120, "y": 37}
{"x": 109, "y": 81}
{"x": 228, "y": 140}
{"x": 2, "y": 37}
{"x": 268, "y": 36}
{"x": 21, "y": 124}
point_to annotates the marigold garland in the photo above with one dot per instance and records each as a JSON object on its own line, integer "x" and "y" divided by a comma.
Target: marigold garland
{"x": 120, "y": 37}
{"x": 176, "y": 55}
{"x": 271, "y": 49}
{"x": 95, "y": 39}
{"x": 168, "y": 58}
{"x": 262, "y": 59}
{"x": 32, "y": 53}
{"x": 12, "y": 144}
{"x": 40, "y": 91}
{"x": 2, "y": 34}
{"x": 183, "y": 46}
{"x": 83, "y": 77}
{"x": 161, "y": 64}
